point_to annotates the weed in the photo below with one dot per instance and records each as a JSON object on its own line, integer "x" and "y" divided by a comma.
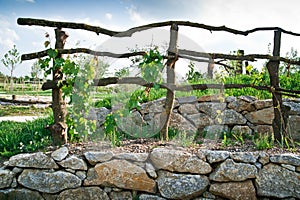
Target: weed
{"x": 226, "y": 140}
{"x": 184, "y": 139}
{"x": 264, "y": 141}
{"x": 239, "y": 137}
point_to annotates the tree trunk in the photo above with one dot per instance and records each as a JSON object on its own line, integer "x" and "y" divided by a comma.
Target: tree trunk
{"x": 279, "y": 123}
{"x": 11, "y": 87}
{"x": 173, "y": 56}
{"x": 59, "y": 128}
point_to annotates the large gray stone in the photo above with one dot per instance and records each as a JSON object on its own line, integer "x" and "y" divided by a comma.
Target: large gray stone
{"x": 49, "y": 182}
{"x": 93, "y": 157}
{"x": 264, "y": 116}
{"x": 263, "y": 129}
{"x": 241, "y": 105}
{"x": 290, "y": 159}
{"x": 73, "y": 162}
{"x": 178, "y": 161}
{"x": 99, "y": 114}
{"x": 232, "y": 171}
{"x": 249, "y": 99}
{"x": 177, "y": 122}
{"x": 200, "y": 119}
{"x": 244, "y": 130}
{"x": 261, "y": 104}
{"x": 230, "y": 117}
{"x": 92, "y": 178}
{"x": 124, "y": 174}
{"x": 20, "y": 194}
{"x": 294, "y": 127}
{"x": 214, "y": 132}
{"x": 278, "y": 182}
{"x": 150, "y": 170}
{"x": 32, "y": 160}
{"x": 150, "y": 197}
{"x": 137, "y": 157}
{"x": 155, "y": 106}
{"x": 181, "y": 186}
{"x": 294, "y": 107}
{"x": 83, "y": 193}
{"x": 60, "y": 154}
{"x": 187, "y": 109}
{"x": 246, "y": 157}
{"x": 211, "y": 109}
{"x": 123, "y": 195}
{"x": 216, "y": 156}
{"x": 6, "y": 178}
{"x": 234, "y": 190}
{"x": 180, "y": 123}
{"x": 188, "y": 99}
{"x": 212, "y": 98}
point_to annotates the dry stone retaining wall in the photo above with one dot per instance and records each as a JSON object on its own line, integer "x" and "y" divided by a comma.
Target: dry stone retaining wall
{"x": 212, "y": 115}
{"x": 163, "y": 173}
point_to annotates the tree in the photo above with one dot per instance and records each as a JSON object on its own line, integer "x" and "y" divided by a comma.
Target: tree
{"x": 11, "y": 59}
{"x": 36, "y": 70}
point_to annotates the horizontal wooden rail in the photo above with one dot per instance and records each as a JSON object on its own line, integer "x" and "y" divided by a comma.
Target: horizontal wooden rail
{"x": 44, "y": 53}
{"x": 128, "y": 33}
{"x": 140, "y": 81}
{"x": 187, "y": 54}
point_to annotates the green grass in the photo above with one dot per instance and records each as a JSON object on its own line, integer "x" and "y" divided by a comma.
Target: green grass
{"x": 22, "y": 110}
{"x": 23, "y": 137}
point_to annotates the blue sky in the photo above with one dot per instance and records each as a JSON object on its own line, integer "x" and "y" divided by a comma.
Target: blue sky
{"x": 124, "y": 14}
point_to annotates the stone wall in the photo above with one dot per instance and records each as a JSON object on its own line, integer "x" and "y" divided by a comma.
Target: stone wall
{"x": 161, "y": 174}
{"x": 211, "y": 115}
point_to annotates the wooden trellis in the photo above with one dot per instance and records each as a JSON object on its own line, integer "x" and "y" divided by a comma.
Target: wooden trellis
{"x": 59, "y": 127}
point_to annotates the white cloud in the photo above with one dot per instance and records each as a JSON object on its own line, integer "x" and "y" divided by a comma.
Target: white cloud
{"x": 108, "y": 16}
{"x": 30, "y": 1}
{"x": 8, "y": 36}
{"x": 135, "y": 16}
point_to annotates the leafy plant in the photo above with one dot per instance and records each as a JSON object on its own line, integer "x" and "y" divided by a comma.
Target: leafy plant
{"x": 152, "y": 66}
{"x": 17, "y": 137}
{"x": 104, "y": 103}
{"x": 78, "y": 88}
{"x": 192, "y": 75}
{"x": 111, "y": 129}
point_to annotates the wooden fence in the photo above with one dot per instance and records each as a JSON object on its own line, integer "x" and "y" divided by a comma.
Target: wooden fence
{"x": 59, "y": 127}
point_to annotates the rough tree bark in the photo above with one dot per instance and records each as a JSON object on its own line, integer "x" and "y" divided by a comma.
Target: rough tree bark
{"x": 279, "y": 122}
{"x": 59, "y": 128}
{"x": 173, "y": 56}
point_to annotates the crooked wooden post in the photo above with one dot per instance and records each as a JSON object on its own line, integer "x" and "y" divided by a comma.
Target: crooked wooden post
{"x": 239, "y": 63}
{"x": 279, "y": 124}
{"x": 173, "y": 56}
{"x": 59, "y": 128}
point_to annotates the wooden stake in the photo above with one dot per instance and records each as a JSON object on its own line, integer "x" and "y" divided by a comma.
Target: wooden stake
{"x": 173, "y": 56}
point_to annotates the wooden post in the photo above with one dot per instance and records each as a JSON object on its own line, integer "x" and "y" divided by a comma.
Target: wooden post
{"x": 210, "y": 69}
{"x": 279, "y": 124}
{"x": 59, "y": 128}
{"x": 239, "y": 63}
{"x": 173, "y": 56}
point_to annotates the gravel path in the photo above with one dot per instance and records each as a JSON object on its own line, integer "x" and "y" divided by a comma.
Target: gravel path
{"x": 18, "y": 118}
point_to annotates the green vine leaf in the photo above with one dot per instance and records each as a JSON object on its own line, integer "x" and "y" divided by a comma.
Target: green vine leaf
{"x": 52, "y": 53}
